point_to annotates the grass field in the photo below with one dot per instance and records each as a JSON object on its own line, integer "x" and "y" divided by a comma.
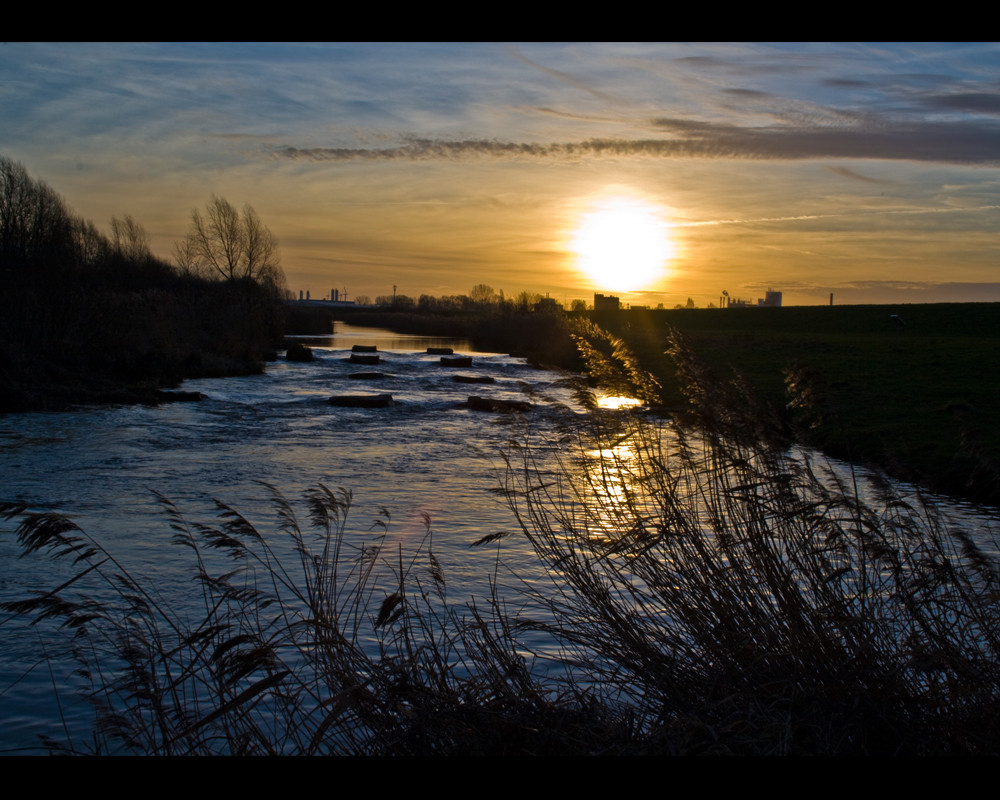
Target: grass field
{"x": 920, "y": 398}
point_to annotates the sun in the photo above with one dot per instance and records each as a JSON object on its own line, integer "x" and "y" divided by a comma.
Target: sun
{"x": 622, "y": 243}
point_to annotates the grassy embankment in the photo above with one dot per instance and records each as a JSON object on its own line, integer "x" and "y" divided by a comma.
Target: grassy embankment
{"x": 121, "y": 345}
{"x": 919, "y": 400}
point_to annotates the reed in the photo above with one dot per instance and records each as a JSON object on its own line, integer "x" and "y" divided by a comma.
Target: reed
{"x": 316, "y": 640}
{"x": 736, "y": 600}
{"x": 709, "y": 591}
{"x": 735, "y": 597}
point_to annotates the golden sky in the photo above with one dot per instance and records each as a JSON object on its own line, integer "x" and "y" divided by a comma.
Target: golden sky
{"x": 869, "y": 171}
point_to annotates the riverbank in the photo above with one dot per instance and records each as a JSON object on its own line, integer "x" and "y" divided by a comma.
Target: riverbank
{"x": 124, "y": 345}
{"x": 90, "y": 319}
{"x": 909, "y": 389}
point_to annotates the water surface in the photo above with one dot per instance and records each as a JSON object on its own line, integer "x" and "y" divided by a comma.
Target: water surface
{"x": 427, "y": 457}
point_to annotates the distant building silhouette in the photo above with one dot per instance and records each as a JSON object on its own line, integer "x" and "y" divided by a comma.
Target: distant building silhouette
{"x": 609, "y": 303}
{"x": 771, "y": 299}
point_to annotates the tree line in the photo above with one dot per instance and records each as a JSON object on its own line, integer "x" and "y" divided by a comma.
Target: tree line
{"x": 482, "y": 297}
{"x": 91, "y": 316}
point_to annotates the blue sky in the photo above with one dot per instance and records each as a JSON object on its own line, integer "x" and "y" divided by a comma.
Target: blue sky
{"x": 866, "y": 170}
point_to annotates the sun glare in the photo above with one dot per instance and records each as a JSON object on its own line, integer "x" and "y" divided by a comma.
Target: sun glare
{"x": 622, "y": 243}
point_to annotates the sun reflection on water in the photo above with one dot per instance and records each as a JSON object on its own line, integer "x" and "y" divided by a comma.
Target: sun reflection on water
{"x": 617, "y": 402}
{"x": 614, "y": 497}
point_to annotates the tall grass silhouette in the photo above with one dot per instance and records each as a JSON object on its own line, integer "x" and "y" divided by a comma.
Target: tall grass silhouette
{"x": 306, "y": 640}
{"x": 708, "y": 591}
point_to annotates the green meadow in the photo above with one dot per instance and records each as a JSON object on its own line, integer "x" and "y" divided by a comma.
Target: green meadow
{"x": 917, "y": 396}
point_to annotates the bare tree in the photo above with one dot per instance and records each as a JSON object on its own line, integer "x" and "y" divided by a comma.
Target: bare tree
{"x": 90, "y": 245}
{"x": 260, "y": 246}
{"x": 525, "y": 301}
{"x": 226, "y": 244}
{"x": 185, "y": 257}
{"x": 483, "y": 293}
{"x": 35, "y": 225}
{"x": 129, "y": 239}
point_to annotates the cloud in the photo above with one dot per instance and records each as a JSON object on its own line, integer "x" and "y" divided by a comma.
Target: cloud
{"x": 552, "y": 112}
{"x": 976, "y": 142}
{"x": 966, "y": 142}
{"x": 771, "y": 63}
{"x": 844, "y": 172}
{"x": 751, "y": 94}
{"x": 970, "y": 102}
{"x": 416, "y": 149}
{"x": 753, "y": 220}
{"x": 924, "y": 286}
{"x": 846, "y": 83}
{"x": 563, "y": 77}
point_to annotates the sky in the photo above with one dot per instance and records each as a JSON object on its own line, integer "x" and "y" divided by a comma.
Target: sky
{"x": 870, "y": 171}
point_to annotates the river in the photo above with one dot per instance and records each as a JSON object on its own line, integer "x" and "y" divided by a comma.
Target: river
{"x": 427, "y": 457}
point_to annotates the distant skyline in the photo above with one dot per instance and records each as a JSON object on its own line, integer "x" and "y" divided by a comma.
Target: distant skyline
{"x": 868, "y": 170}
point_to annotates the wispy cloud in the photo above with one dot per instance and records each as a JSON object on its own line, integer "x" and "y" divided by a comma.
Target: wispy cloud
{"x": 863, "y": 212}
{"x": 967, "y": 142}
{"x": 563, "y": 77}
{"x": 844, "y": 172}
{"x": 969, "y": 102}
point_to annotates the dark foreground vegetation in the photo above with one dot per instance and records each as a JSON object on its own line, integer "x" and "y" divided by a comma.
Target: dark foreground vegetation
{"x": 706, "y": 594}
{"x": 87, "y": 318}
